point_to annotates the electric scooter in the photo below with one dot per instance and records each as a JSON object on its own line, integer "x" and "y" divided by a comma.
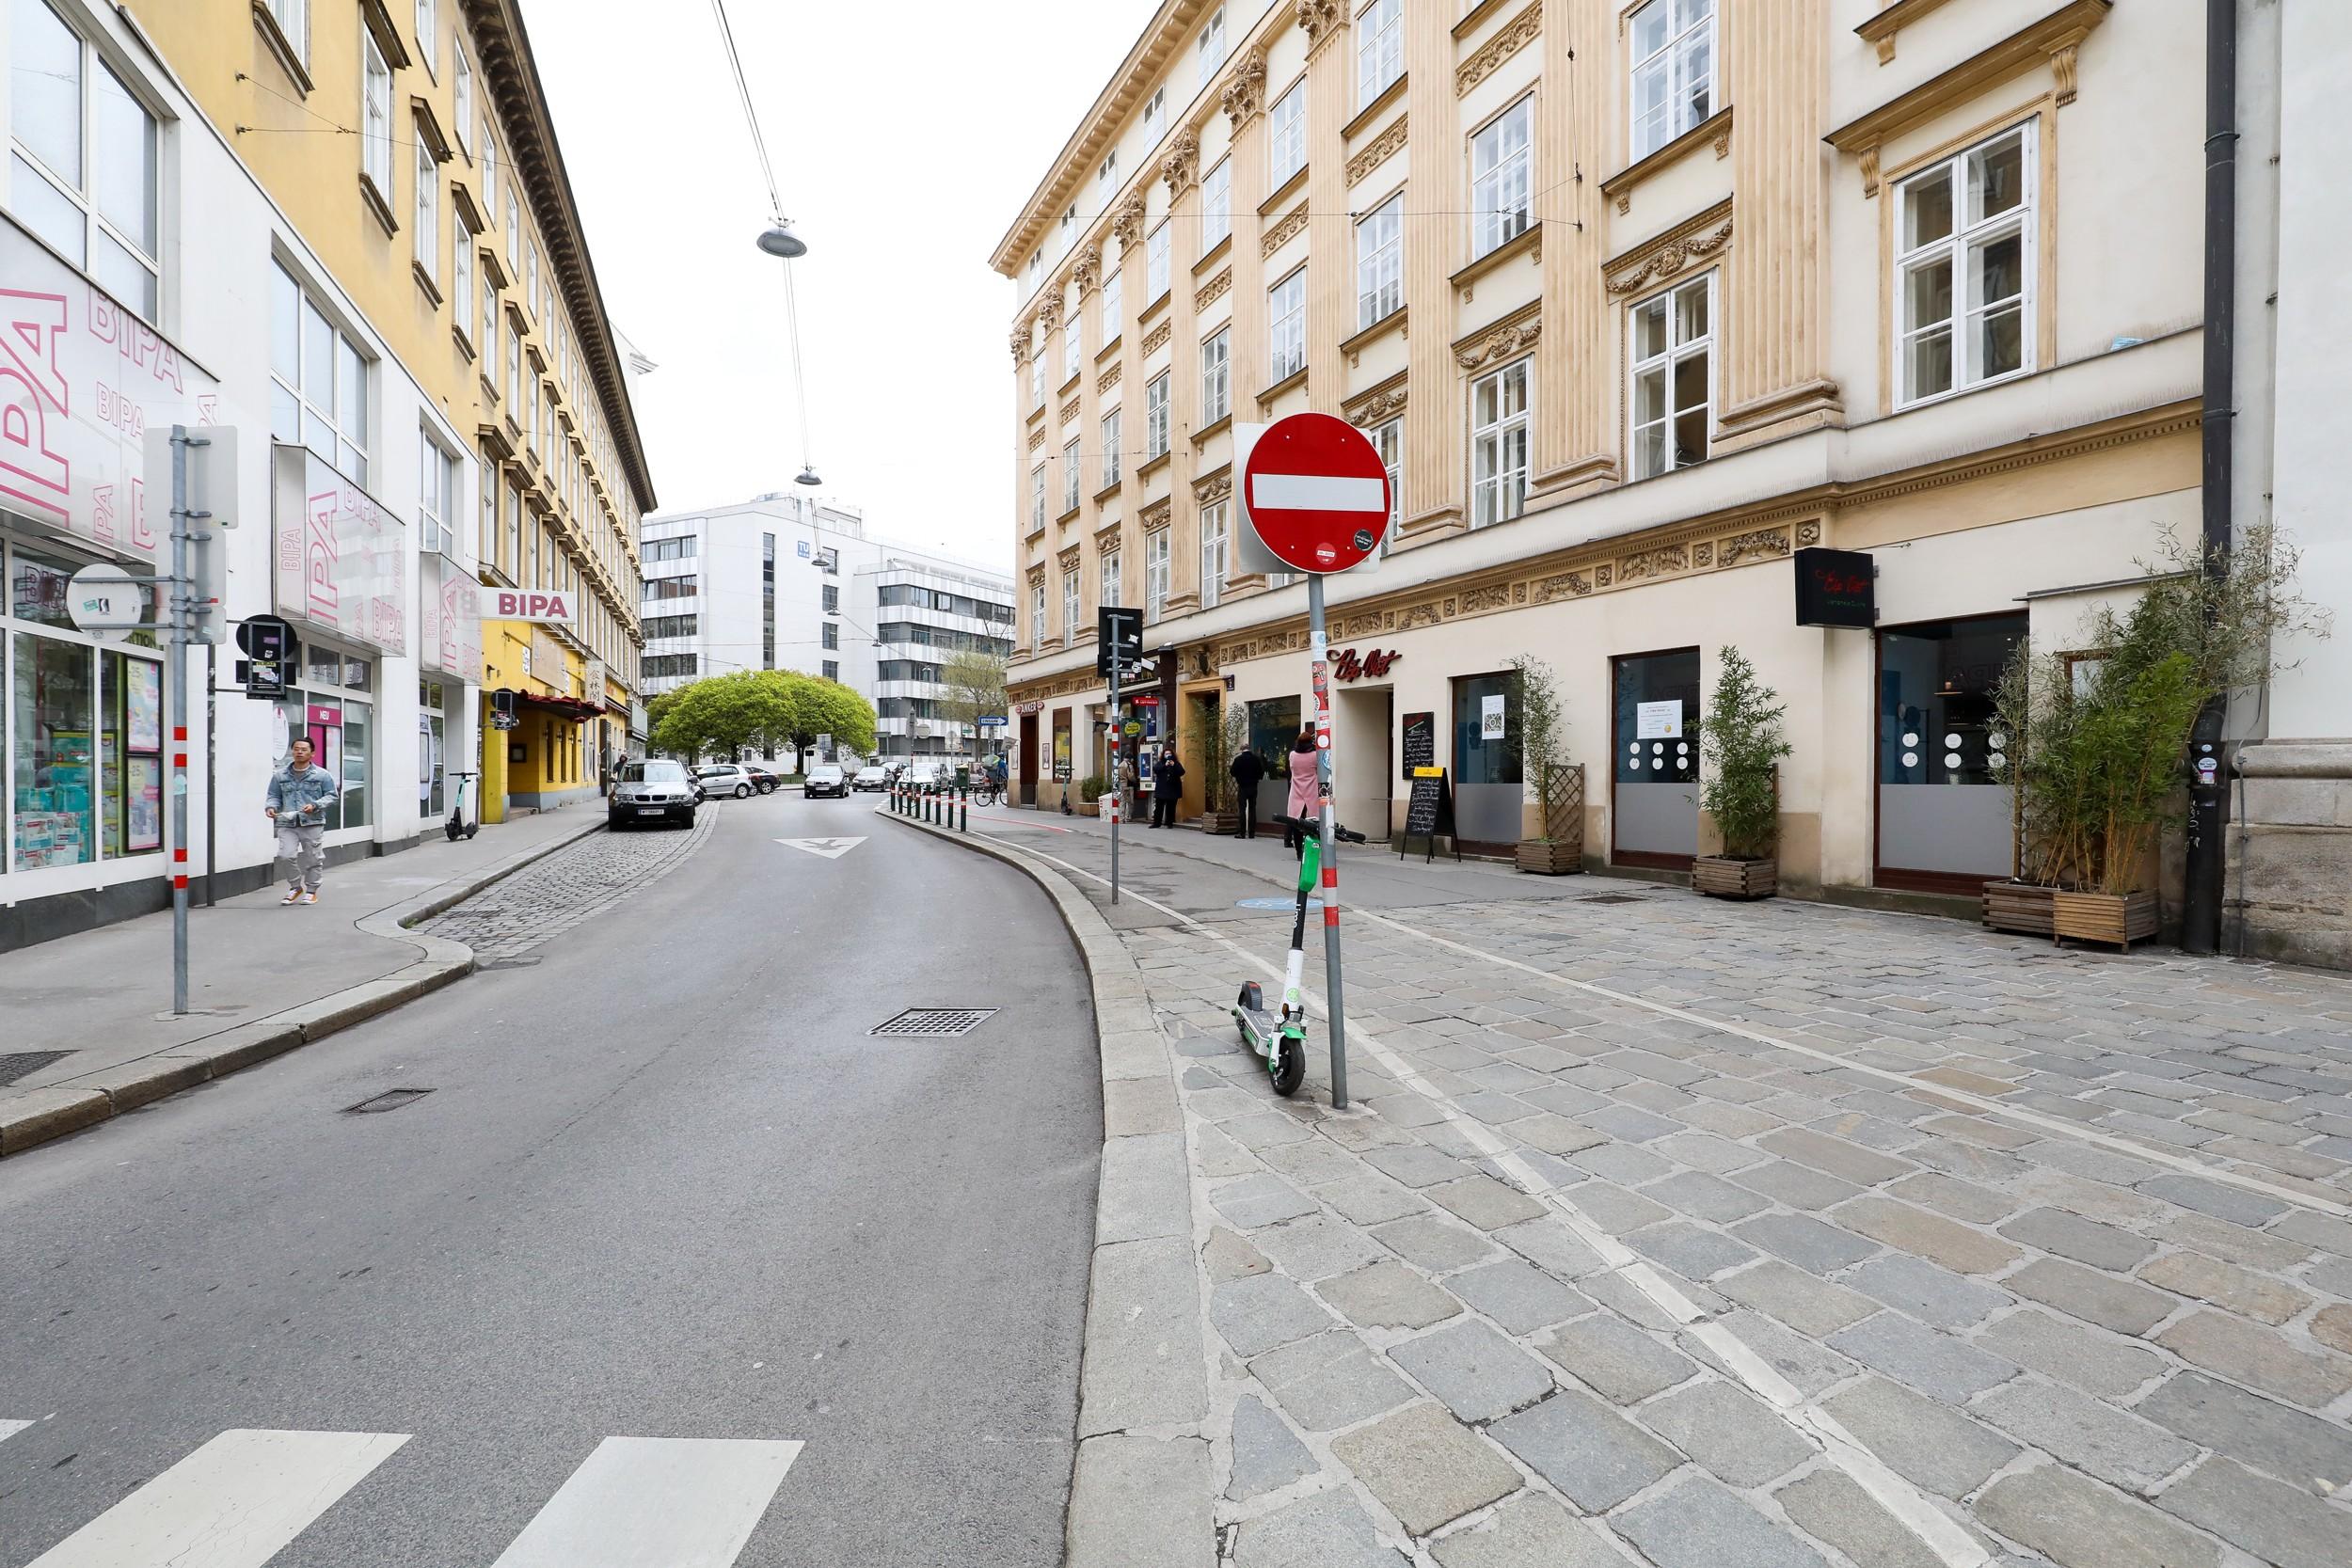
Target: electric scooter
{"x": 457, "y": 827}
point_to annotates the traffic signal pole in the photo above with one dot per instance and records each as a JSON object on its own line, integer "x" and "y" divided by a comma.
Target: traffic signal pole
{"x": 1117, "y": 782}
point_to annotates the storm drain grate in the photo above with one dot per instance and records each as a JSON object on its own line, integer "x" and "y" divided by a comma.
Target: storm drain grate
{"x": 1611, "y": 898}
{"x": 390, "y": 1099}
{"x": 935, "y": 1022}
{"x": 23, "y": 1064}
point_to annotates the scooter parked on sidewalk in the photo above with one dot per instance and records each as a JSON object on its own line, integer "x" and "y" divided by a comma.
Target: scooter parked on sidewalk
{"x": 457, "y": 827}
{"x": 1282, "y": 1039}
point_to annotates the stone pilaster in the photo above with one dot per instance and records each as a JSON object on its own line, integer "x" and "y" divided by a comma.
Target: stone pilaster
{"x": 1435, "y": 247}
{"x": 1331, "y": 238}
{"x": 1576, "y": 405}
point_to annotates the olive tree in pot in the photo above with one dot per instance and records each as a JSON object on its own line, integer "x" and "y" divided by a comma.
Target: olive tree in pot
{"x": 1740, "y": 742}
{"x": 1558, "y": 846}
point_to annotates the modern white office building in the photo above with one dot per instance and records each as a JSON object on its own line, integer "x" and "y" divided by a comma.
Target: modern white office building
{"x": 790, "y": 581}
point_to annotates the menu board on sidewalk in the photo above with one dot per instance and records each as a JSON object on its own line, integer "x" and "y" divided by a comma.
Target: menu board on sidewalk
{"x": 1421, "y": 742}
{"x": 1428, "y": 813}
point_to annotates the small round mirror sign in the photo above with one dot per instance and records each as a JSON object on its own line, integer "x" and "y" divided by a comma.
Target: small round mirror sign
{"x": 107, "y": 602}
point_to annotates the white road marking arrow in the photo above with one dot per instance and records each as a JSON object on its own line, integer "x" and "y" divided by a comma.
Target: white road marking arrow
{"x": 832, "y": 848}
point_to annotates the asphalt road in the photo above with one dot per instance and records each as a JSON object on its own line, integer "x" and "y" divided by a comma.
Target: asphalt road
{"x": 665, "y": 1187}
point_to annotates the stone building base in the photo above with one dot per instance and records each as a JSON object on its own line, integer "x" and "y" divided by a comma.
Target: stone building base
{"x": 2290, "y": 853}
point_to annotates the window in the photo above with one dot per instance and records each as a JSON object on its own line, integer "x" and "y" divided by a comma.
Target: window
{"x": 1379, "y": 48}
{"x": 461, "y": 276}
{"x": 1155, "y": 417}
{"x": 1037, "y": 377}
{"x": 437, "y": 498}
{"x": 425, "y": 41}
{"x": 1499, "y": 178}
{"x": 1155, "y": 263}
{"x": 1107, "y": 172}
{"x": 461, "y": 96}
{"x": 1217, "y": 382}
{"x": 1210, "y": 50}
{"x": 658, "y": 589}
{"x": 318, "y": 381}
{"x": 1673, "y": 334}
{"x": 1286, "y": 135}
{"x": 1036, "y": 614}
{"x": 1498, "y": 445}
{"x": 1380, "y": 261}
{"x": 487, "y": 548}
{"x": 1037, "y": 498}
{"x": 489, "y": 172}
{"x": 84, "y": 174}
{"x": 514, "y": 232}
{"x": 1674, "y": 71}
{"x": 294, "y": 21}
{"x": 1069, "y": 482}
{"x": 1071, "y": 347}
{"x": 672, "y": 626}
{"x": 1114, "y": 304}
{"x": 1069, "y": 217}
{"x": 1154, "y": 115}
{"x": 1155, "y": 573}
{"x": 531, "y": 275}
{"x": 1111, "y": 430}
{"x": 1109, "y": 568}
{"x": 1286, "y": 308}
{"x": 491, "y": 331}
{"x": 1037, "y": 264}
{"x": 1964, "y": 273}
{"x": 1070, "y": 604}
{"x": 1216, "y": 205}
{"x": 1388, "y": 441}
{"x": 1213, "y": 556}
{"x": 831, "y": 632}
{"x": 832, "y": 599}
{"x": 682, "y": 548}
{"x": 375, "y": 116}
{"x": 832, "y": 669}
{"x": 669, "y": 666}
{"x": 514, "y": 384}
{"x": 428, "y": 212}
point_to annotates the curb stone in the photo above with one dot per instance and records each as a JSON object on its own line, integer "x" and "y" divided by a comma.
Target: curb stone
{"x": 1141, "y": 1492}
{"x": 34, "y": 1116}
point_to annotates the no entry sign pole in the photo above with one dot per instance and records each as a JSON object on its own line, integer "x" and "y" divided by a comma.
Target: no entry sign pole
{"x": 1315, "y": 499}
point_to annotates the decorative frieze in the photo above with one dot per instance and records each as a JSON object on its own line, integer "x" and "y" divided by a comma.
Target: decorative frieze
{"x": 1216, "y": 487}
{"x": 1154, "y": 515}
{"x": 1653, "y": 564}
{"x": 1379, "y": 409}
{"x": 1037, "y": 438}
{"x": 1110, "y": 378}
{"x": 1386, "y": 145}
{"x": 1755, "y": 544}
{"x": 1292, "y": 225}
{"x": 1672, "y": 252}
{"x": 1069, "y": 410}
{"x": 1070, "y": 557}
{"x": 1213, "y": 291}
{"x": 1500, "y": 344}
{"x": 1157, "y": 338}
{"x": 1517, "y": 34}
{"x": 1245, "y": 90}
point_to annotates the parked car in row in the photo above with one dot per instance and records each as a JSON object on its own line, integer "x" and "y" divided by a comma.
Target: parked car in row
{"x": 825, "y": 780}
{"x": 765, "y": 780}
{"x": 651, "y": 789}
{"x": 874, "y": 779}
{"x": 724, "y": 778}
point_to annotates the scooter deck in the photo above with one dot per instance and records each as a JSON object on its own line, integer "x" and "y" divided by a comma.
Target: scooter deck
{"x": 1263, "y": 1025}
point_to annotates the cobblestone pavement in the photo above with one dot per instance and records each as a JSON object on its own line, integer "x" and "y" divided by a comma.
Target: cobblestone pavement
{"x": 573, "y": 885}
{"x": 1673, "y": 1232}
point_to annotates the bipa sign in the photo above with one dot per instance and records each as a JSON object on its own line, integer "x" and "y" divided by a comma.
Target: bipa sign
{"x": 526, "y": 604}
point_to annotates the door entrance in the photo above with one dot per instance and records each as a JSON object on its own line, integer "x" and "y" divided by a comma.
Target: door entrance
{"x": 1654, "y": 781}
{"x": 1488, "y": 797}
{"x": 1028, "y": 759}
{"x": 1363, "y": 760}
{"x": 1943, "y": 824}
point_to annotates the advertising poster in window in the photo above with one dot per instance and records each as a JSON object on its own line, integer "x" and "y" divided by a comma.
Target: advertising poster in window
{"x": 144, "y": 789}
{"x": 1061, "y": 751}
{"x": 449, "y": 635}
{"x": 81, "y": 380}
{"x": 143, "y": 691}
{"x": 342, "y": 558}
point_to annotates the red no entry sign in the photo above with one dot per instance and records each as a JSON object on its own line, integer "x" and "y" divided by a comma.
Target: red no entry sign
{"x": 1317, "y": 492}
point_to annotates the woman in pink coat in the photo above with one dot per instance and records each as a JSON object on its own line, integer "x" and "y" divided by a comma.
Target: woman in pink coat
{"x": 1303, "y": 803}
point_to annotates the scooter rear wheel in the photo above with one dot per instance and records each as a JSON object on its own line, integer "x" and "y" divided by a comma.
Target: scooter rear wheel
{"x": 1290, "y": 1065}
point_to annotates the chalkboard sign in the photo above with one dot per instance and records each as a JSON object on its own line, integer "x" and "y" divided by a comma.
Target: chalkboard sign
{"x": 1429, "y": 813}
{"x": 1421, "y": 741}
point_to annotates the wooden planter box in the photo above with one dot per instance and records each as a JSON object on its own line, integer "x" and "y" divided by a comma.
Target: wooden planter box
{"x": 1221, "y": 823}
{"x": 2120, "y": 918}
{"x": 1089, "y": 808}
{"x": 1550, "y": 857}
{"x": 2018, "y": 907}
{"x": 1721, "y": 877}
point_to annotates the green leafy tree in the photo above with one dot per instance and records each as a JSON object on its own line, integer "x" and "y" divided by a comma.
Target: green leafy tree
{"x": 1742, "y": 746}
{"x": 976, "y": 686}
{"x": 720, "y": 715}
{"x": 815, "y": 706}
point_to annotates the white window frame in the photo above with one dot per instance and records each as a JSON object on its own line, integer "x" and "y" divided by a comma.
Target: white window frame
{"x": 1112, "y": 429}
{"x": 293, "y": 23}
{"x": 1155, "y": 392}
{"x": 1503, "y": 177}
{"x": 1037, "y": 614}
{"x": 83, "y": 193}
{"x": 428, "y": 37}
{"x": 1961, "y": 324}
{"x": 1209, "y": 50}
{"x": 1286, "y": 327}
{"x": 530, "y": 279}
{"x": 1037, "y": 498}
{"x": 1156, "y": 258}
{"x": 461, "y": 280}
{"x": 1113, "y": 293}
{"x": 1037, "y": 377}
{"x": 436, "y": 496}
{"x": 1216, "y": 376}
{"x": 1379, "y": 49}
{"x": 376, "y": 114}
{"x": 1677, "y": 346}
{"x": 1380, "y": 263}
{"x": 1072, "y": 480}
{"x": 428, "y": 212}
{"x": 1286, "y": 135}
{"x": 338, "y": 411}
{"x": 1156, "y": 546}
{"x": 1388, "y": 439}
{"x": 1677, "y": 63}
{"x": 1108, "y": 573}
{"x": 1499, "y": 447}
{"x": 1216, "y": 205}
{"x": 460, "y": 94}
{"x": 1155, "y": 117}
{"x": 514, "y": 232}
{"x": 1216, "y": 552}
{"x": 489, "y": 344}
{"x": 1069, "y": 603}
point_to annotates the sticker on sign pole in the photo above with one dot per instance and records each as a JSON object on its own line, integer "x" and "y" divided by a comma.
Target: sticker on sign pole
{"x": 1314, "y": 496}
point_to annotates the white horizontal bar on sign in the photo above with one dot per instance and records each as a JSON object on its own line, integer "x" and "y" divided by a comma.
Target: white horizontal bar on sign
{"x": 654, "y": 1502}
{"x": 232, "y": 1503}
{"x": 1316, "y": 493}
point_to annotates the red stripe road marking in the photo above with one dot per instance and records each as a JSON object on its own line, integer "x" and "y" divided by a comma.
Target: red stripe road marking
{"x": 1017, "y": 822}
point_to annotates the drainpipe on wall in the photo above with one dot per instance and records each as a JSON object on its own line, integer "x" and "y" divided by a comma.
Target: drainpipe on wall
{"x": 2201, "y": 915}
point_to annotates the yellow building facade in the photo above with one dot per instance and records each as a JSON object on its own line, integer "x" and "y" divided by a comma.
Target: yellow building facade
{"x": 409, "y": 142}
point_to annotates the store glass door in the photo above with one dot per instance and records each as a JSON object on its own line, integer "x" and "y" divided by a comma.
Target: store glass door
{"x": 1654, "y": 779}
{"x": 1943, "y": 824}
{"x": 1487, "y": 792}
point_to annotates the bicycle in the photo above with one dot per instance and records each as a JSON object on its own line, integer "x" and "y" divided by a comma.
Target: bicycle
{"x": 984, "y": 793}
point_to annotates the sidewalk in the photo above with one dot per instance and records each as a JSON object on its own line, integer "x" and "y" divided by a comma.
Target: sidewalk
{"x": 1665, "y": 1231}
{"x": 97, "y": 1005}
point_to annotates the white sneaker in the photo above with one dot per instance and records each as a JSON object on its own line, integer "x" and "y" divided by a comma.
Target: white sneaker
{"x": 310, "y": 897}
{"x": 294, "y": 895}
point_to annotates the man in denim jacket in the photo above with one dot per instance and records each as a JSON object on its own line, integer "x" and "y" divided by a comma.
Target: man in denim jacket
{"x": 296, "y": 801}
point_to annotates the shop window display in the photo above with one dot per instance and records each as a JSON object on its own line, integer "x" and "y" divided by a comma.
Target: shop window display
{"x": 53, "y": 768}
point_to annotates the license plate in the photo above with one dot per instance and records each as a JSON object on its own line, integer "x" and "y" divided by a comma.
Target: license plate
{"x": 651, "y": 811}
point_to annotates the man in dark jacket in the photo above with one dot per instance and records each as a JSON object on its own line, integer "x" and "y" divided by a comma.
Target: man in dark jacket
{"x": 1247, "y": 769}
{"x": 1167, "y": 788}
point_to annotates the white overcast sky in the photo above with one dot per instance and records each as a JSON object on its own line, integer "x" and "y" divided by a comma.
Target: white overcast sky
{"x": 904, "y": 139}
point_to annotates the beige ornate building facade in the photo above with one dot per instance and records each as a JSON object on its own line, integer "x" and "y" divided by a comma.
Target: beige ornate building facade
{"x": 1637, "y": 301}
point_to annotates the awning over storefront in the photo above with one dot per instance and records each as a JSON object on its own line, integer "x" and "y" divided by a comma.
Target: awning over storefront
{"x": 570, "y": 708}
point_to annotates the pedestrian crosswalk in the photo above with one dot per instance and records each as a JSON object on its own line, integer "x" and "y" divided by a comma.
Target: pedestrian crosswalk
{"x": 240, "y": 1498}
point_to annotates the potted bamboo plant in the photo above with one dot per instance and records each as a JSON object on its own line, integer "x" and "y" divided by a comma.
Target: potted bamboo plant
{"x": 1219, "y": 812}
{"x": 1741, "y": 745}
{"x": 1558, "y": 848}
{"x": 2101, "y": 735}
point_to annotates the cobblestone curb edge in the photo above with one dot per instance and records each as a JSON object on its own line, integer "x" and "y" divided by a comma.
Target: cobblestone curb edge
{"x": 1141, "y": 1493}
{"x": 40, "y": 1115}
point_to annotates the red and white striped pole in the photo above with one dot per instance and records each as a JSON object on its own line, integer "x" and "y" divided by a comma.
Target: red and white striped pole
{"x": 1319, "y": 651}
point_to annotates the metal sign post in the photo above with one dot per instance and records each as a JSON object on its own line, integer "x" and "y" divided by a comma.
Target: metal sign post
{"x": 184, "y": 632}
{"x": 1334, "y": 991}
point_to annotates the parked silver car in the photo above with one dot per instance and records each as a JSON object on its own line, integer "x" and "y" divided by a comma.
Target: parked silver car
{"x": 651, "y": 789}
{"x": 726, "y": 778}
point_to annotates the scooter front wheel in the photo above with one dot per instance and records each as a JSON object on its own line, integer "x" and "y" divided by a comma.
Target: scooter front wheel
{"x": 1290, "y": 1065}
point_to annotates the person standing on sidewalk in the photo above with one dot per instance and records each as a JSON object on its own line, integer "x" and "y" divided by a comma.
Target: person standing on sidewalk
{"x": 1167, "y": 788}
{"x": 296, "y": 801}
{"x": 1247, "y": 769}
{"x": 1302, "y": 801}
